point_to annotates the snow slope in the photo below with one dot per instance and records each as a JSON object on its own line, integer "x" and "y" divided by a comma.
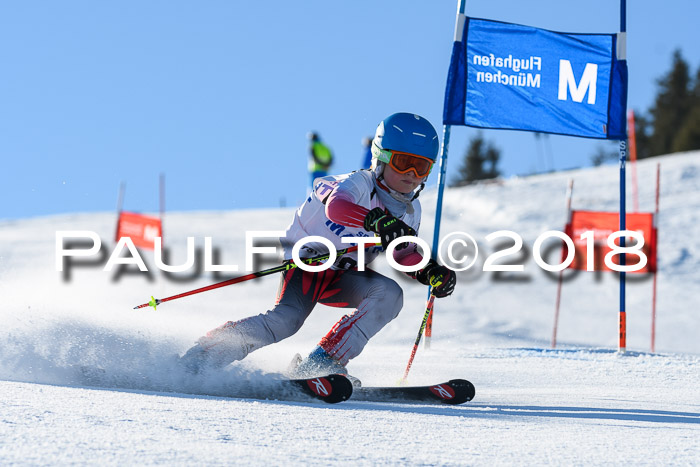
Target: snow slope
{"x": 582, "y": 403}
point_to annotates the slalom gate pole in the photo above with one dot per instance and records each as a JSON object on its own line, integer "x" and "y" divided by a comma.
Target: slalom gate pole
{"x": 436, "y": 231}
{"x": 161, "y": 202}
{"x": 569, "y": 195}
{"x": 428, "y": 311}
{"x": 622, "y": 321}
{"x": 287, "y": 265}
{"x": 622, "y": 345}
{"x": 656, "y": 272}
{"x": 459, "y": 29}
{"x": 120, "y": 204}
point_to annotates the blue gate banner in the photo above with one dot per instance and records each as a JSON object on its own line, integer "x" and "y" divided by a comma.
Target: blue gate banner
{"x": 510, "y": 76}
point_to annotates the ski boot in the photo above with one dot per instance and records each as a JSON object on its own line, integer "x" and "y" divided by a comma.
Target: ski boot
{"x": 319, "y": 363}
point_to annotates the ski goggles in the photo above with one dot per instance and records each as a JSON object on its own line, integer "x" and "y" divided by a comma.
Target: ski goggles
{"x": 404, "y": 162}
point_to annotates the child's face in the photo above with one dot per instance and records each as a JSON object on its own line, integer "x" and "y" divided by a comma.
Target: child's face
{"x": 403, "y": 183}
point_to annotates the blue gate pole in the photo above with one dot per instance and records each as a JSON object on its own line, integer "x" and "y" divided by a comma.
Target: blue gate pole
{"x": 441, "y": 188}
{"x": 438, "y": 216}
{"x": 459, "y": 25}
{"x": 622, "y": 55}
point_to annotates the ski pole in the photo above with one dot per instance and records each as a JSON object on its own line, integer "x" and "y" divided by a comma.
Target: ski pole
{"x": 428, "y": 309}
{"x": 287, "y": 265}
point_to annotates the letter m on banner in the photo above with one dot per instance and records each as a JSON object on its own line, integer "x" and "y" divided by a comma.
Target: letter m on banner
{"x": 508, "y": 76}
{"x": 140, "y": 228}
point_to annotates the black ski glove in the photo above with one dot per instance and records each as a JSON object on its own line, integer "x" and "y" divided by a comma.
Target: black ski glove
{"x": 388, "y": 227}
{"x": 441, "y": 278}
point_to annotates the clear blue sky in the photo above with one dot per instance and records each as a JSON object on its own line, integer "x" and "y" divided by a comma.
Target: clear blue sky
{"x": 219, "y": 95}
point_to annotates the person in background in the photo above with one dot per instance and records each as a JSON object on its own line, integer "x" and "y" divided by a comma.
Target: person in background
{"x": 321, "y": 157}
{"x": 367, "y": 152}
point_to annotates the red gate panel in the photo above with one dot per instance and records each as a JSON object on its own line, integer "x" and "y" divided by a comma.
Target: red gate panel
{"x": 602, "y": 224}
{"x": 140, "y": 228}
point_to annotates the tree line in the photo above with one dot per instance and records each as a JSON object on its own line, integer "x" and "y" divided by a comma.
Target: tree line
{"x": 672, "y": 124}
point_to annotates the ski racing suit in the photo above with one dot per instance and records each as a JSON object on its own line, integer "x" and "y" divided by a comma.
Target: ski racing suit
{"x": 335, "y": 209}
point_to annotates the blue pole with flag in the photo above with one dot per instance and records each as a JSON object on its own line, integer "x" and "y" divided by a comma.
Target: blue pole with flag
{"x": 622, "y": 55}
{"x": 511, "y": 76}
{"x": 446, "y": 128}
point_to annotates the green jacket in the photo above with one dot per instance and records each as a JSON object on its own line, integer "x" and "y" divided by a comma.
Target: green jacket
{"x": 321, "y": 157}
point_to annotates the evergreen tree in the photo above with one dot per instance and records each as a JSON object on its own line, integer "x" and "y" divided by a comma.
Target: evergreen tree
{"x": 604, "y": 154}
{"x": 642, "y": 130}
{"x": 671, "y": 107}
{"x": 492, "y": 156}
{"x": 478, "y": 153}
{"x": 688, "y": 136}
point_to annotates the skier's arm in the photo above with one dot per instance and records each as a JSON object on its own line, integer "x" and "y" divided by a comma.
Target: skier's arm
{"x": 341, "y": 209}
{"x": 388, "y": 227}
{"x": 431, "y": 272}
{"x": 440, "y": 277}
{"x": 408, "y": 256}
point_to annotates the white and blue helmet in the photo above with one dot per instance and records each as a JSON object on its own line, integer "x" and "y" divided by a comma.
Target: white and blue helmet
{"x": 404, "y": 132}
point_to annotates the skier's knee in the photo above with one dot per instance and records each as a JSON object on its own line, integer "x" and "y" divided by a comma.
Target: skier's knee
{"x": 283, "y": 322}
{"x": 393, "y": 297}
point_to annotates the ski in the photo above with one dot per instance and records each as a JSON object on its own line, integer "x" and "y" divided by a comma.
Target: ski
{"x": 331, "y": 388}
{"x": 455, "y": 391}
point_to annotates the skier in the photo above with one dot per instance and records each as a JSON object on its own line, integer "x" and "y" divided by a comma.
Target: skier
{"x": 383, "y": 201}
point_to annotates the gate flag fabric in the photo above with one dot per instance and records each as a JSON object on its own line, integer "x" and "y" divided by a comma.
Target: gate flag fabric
{"x": 509, "y": 76}
{"x": 140, "y": 228}
{"x": 602, "y": 224}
